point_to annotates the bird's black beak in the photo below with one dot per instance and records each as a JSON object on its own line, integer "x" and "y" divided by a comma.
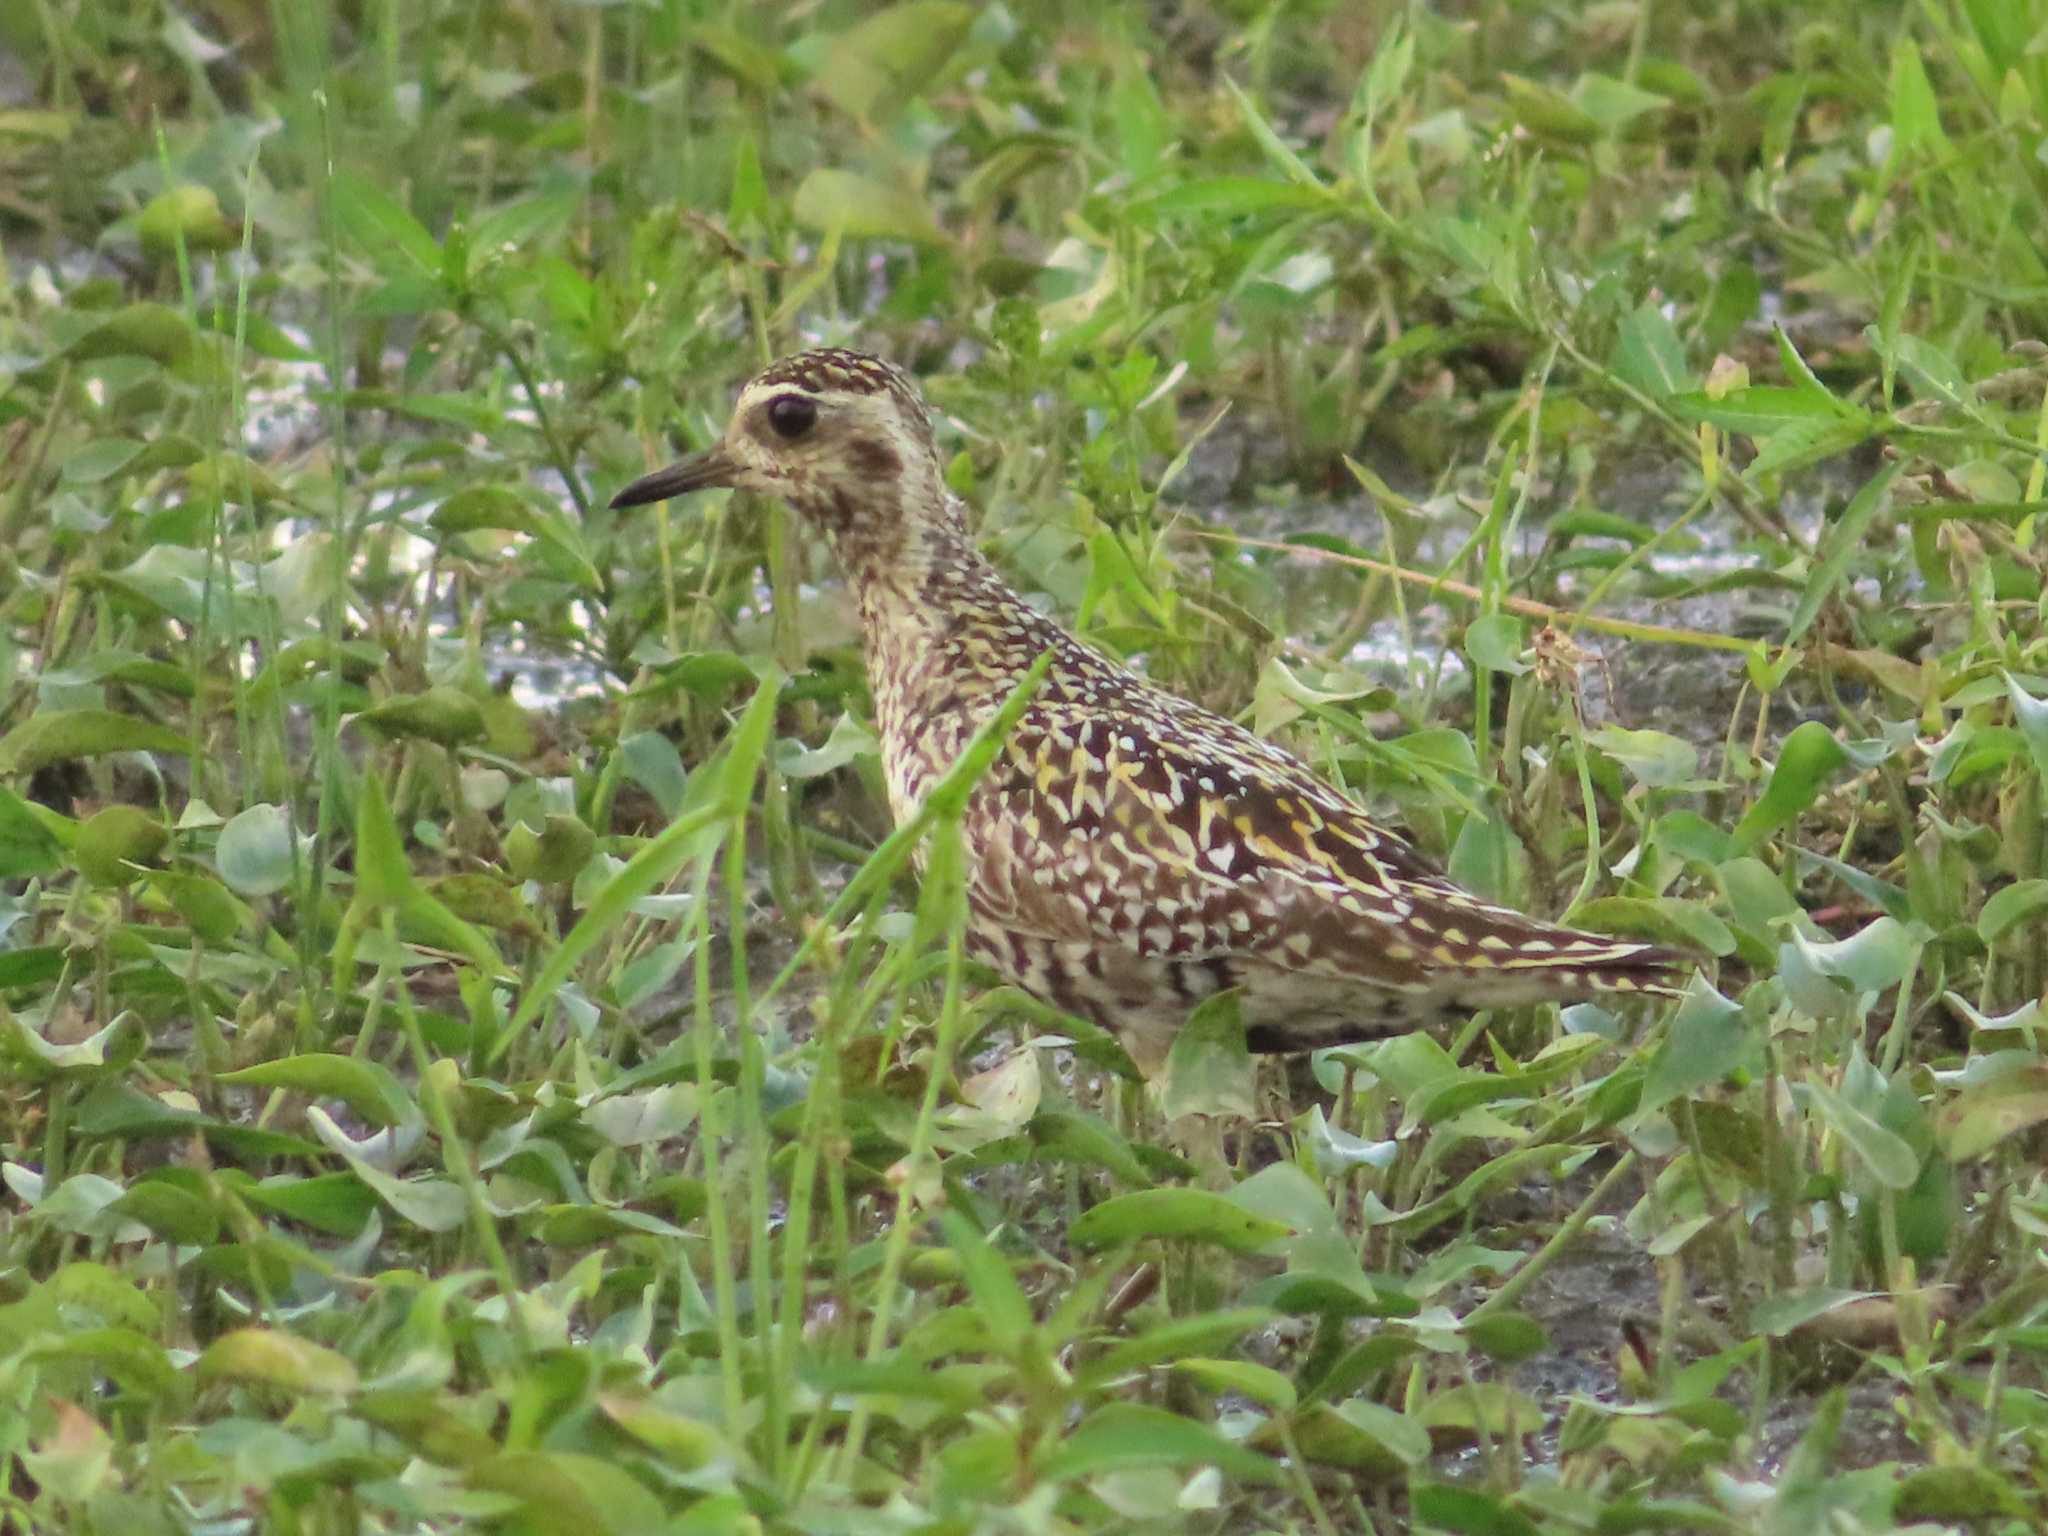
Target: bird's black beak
{"x": 702, "y": 472}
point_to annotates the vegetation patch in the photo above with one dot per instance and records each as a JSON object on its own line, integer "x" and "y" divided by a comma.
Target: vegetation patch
{"x": 475, "y": 1053}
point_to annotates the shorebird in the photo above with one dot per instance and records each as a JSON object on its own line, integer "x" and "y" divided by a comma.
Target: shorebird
{"x": 1129, "y": 852}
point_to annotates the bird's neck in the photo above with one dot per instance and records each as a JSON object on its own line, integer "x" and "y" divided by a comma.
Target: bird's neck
{"x": 947, "y": 639}
{"x": 930, "y": 592}
{"x": 887, "y": 561}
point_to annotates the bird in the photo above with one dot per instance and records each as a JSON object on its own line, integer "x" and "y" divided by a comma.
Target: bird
{"x": 1129, "y": 853}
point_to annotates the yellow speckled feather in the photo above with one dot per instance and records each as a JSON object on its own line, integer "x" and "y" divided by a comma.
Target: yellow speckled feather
{"x": 1130, "y": 852}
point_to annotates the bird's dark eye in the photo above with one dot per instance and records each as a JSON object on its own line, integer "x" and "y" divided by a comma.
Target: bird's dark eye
{"x": 792, "y": 415}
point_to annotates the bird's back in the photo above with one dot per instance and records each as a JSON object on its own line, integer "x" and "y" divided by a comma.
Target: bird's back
{"x": 1131, "y": 852}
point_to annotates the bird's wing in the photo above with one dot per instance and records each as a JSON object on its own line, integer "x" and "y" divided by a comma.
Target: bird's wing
{"x": 1192, "y": 839}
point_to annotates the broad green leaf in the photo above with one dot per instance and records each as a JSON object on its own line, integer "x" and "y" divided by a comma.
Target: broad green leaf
{"x": 116, "y": 1108}
{"x": 443, "y": 715}
{"x": 1476, "y": 1410}
{"x": 1121, "y": 1437}
{"x": 1885, "y": 1155}
{"x": 1758, "y": 411}
{"x": 1776, "y": 1316}
{"x": 115, "y": 1043}
{"x": 1182, "y": 1338}
{"x": 498, "y": 507}
{"x": 1333, "y": 1151}
{"x": 423, "y": 918}
{"x": 1496, "y": 643}
{"x": 1655, "y": 758}
{"x": 1801, "y": 373}
{"x": 1708, "y": 1038}
{"x": 1954, "y": 1496}
{"x": 1209, "y": 1071}
{"x": 1591, "y": 523}
{"x": 652, "y": 1115}
{"x": 174, "y": 1203}
{"x": 1282, "y": 695}
{"x": 1916, "y": 114}
{"x": 1649, "y": 355}
{"x": 1935, "y": 376}
{"x": 115, "y": 843}
{"x": 710, "y": 675}
{"x": 566, "y": 1491}
{"x": 1809, "y": 757}
{"x": 1144, "y": 129}
{"x": 215, "y": 913}
{"x": 1192, "y": 1215}
{"x": 884, "y": 63}
{"x": 484, "y": 506}
{"x": 1876, "y": 957}
{"x": 1549, "y": 113}
{"x": 896, "y": 1376}
{"x": 1084, "y": 1139}
{"x": 1412, "y": 1062}
{"x": 2006, "y": 909}
{"x": 859, "y": 207}
{"x": 397, "y": 242}
{"x": 1509, "y": 1337}
{"x": 1807, "y": 443}
{"x": 199, "y": 591}
{"x": 1613, "y": 103}
{"x": 1487, "y": 857}
{"x": 584, "y": 1226}
{"x": 1334, "y": 1293}
{"x": 1670, "y": 919}
{"x": 2031, "y": 716}
{"x": 1987, "y": 1112}
{"x": 56, "y": 736}
{"x": 384, "y": 880}
{"x": 849, "y": 741}
{"x": 254, "y": 850}
{"x": 1261, "y": 1383}
{"x": 100, "y": 459}
{"x": 559, "y": 852}
{"x": 1365, "y": 1436}
{"x": 132, "y": 1360}
{"x": 114, "y": 665}
{"x": 432, "y": 1205}
{"x": 155, "y": 331}
{"x": 367, "y": 1087}
{"x": 1467, "y": 1511}
{"x": 1284, "y": 1192}
{"x": 271, "y": 1357}
{"x": 682, "y": 1442}
{"x": 28, "y": 848}
{"x": 652, "y": 761}
{"x": 187, "y": 215}
{"x": 739, "y": 55}
{"x": 335, "y": 1203}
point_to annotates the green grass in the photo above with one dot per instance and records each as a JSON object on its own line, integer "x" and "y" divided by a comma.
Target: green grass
{"x": 473, "y": 1055}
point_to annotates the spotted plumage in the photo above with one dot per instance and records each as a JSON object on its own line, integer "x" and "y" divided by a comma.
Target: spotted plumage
{"x": 1130, "y": 853}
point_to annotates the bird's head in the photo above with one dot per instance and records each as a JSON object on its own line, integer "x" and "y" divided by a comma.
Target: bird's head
{"x": 841, "y": 436}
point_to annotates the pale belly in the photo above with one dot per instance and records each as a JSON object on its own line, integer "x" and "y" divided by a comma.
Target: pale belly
{"x": 1145, "y": 999}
